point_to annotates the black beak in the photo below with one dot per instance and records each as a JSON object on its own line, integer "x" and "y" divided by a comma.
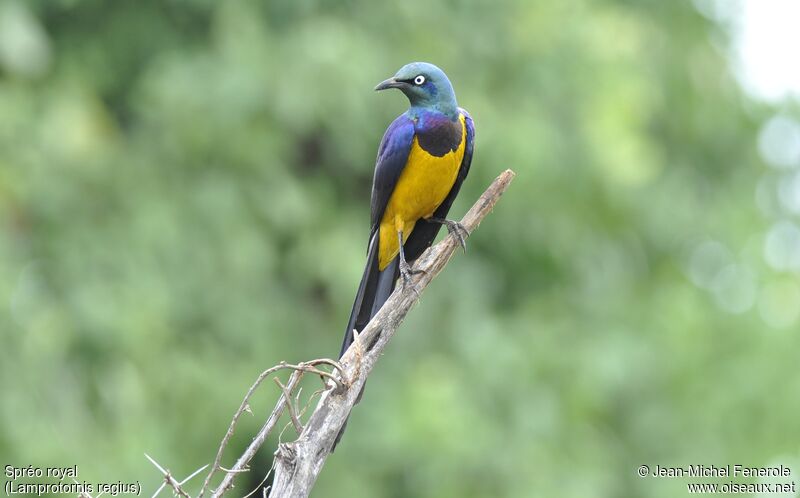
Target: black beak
{"x": 390, "y": 83}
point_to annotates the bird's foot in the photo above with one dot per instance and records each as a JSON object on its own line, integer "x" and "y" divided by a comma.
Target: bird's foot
{"x": 455, "y": 228}
{"x": 407, "y": 273}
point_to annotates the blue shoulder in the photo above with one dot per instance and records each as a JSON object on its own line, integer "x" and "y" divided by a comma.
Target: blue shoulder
{"x": 392, "y": 157}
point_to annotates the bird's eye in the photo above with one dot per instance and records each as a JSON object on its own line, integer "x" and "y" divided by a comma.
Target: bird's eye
{"x": 419, "y": 80}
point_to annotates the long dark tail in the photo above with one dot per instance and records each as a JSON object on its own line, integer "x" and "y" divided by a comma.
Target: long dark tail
{"x": 375, "y": 288}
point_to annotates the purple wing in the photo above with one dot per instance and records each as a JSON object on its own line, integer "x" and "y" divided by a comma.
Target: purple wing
{"x": 392, "y": 157}
{"x": 376, "y": 285}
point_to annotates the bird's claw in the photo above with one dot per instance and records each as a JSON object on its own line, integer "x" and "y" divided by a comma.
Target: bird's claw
{"x": 461, "y": 233}
{"x": 407, "y": 274}
{"x": 455, "y": 228}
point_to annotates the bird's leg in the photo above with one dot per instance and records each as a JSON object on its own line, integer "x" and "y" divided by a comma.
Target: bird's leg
{"x": 454, "y": 227}
{"x": 405, "y": 269}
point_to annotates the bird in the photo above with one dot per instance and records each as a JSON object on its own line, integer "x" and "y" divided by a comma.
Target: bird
{"x": 423, "y": 159}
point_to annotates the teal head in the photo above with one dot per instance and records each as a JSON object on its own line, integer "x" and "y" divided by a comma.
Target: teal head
{"x": 426, "y": 87}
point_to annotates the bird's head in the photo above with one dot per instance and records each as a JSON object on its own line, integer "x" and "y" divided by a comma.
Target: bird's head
{"x": 426, "y": 86}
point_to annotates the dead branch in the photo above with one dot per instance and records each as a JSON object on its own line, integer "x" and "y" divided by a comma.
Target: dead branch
{"x": 297, "y": 464}
{"x": 339, "y": 382}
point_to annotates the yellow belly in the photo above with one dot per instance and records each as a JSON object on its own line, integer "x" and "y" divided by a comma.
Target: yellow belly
{"x": 421, "y": 188}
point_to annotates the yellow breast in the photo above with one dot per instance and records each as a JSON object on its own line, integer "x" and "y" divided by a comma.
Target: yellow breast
{"x": 421, "y": 188}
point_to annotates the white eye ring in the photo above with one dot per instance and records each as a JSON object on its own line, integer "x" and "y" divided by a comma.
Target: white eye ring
{"x": 419, "y": 80}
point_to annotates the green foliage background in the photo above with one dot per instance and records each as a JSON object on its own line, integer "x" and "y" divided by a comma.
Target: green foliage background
{"x": 184, "y": 191}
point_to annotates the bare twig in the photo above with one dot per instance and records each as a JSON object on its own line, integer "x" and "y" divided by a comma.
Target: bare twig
{"x": 266, "y": 476}
{"x": 242, "y": 408}
{"x": 261, "y": 436}
{"x": 232, "y": 471}
{"x": 307, "y": 366}
{"x": 169, "y": 480}
{"x": 290, "y": 405}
